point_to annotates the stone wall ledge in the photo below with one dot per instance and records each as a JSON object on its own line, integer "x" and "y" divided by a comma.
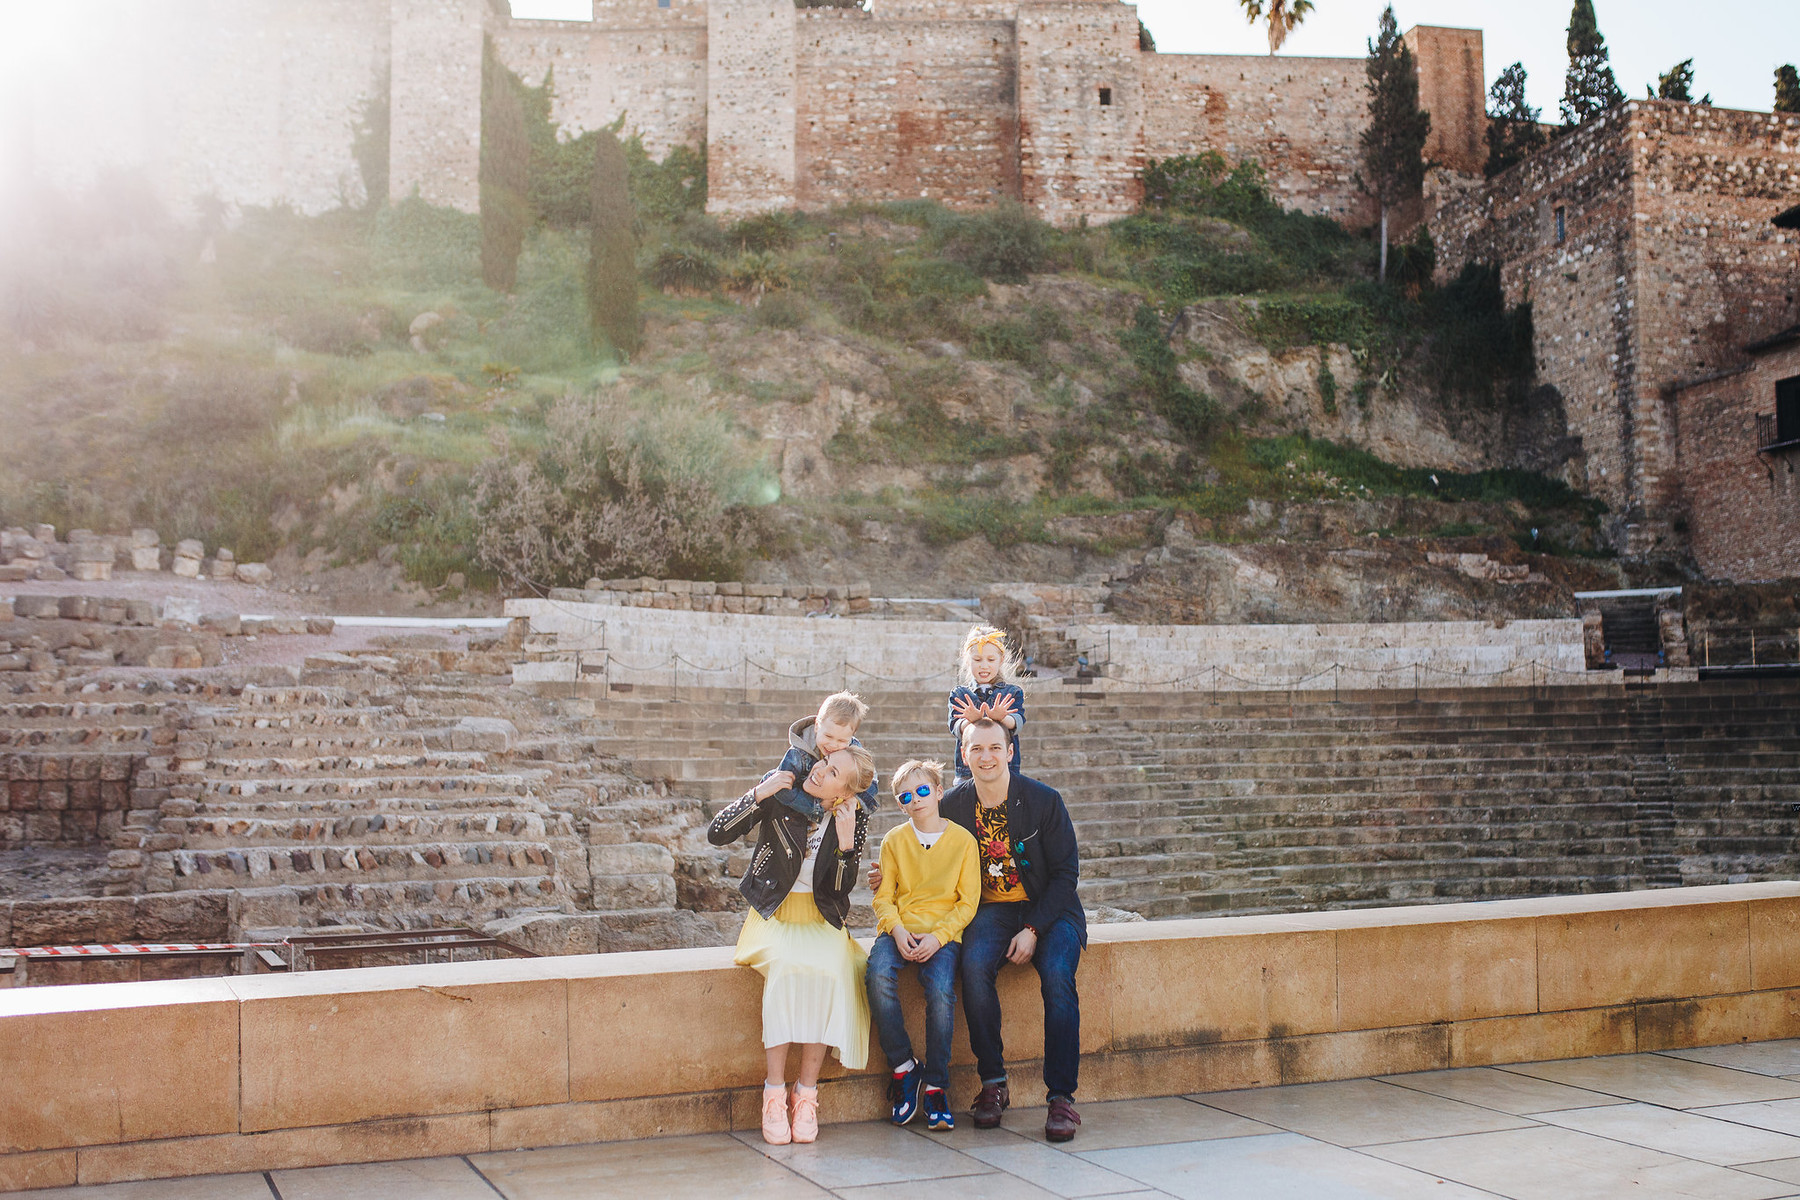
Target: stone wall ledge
{"x": 101, "y": 1083}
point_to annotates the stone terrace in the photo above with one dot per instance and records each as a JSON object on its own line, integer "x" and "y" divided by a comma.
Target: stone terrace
{"x": 1718, "y": 1122}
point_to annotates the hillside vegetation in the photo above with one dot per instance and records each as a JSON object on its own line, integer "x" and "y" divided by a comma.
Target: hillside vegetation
{"x": 343, "y": 384}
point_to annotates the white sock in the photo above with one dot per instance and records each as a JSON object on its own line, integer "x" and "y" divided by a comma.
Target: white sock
{"x": 801, "y": 1087}
{"x": 780, "y": 1087}
{"x": 903, "y": 1068}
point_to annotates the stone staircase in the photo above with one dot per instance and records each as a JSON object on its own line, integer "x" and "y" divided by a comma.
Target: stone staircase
{"x": 1190, "y": 803}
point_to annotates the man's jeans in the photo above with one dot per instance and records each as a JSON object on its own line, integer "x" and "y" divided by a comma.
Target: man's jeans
{"x": 937, "y": 975}
{"x": 1058, "y": 954}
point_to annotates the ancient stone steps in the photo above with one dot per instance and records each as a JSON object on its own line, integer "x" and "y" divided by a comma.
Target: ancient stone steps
{"x": 428, "y": 861}
{"x": 411, "y": 783}
{"x": 204, "y": 832}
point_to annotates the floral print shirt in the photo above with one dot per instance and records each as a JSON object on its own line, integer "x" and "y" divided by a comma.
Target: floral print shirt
{"x": 999, "y": 871}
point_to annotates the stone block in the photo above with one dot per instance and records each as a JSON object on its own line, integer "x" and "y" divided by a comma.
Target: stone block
{"x": 146, "y": 558}
{"x": 1596, "y": 959}
{"x": 1534, "y": 1037}
{"x": 1183, "y": 990}
{"x": 75, "y": 608}
{"x": 187, "y": 568}
{"x": 613, "y": 893}
{"x": 184, "y": 917}
{"x": 37, "y": 607}
{"x": 91, "y": 571}
{"x": 140, "y": 612}
{"x": 224, "y": 624}
{"x": 44, "y": 1169}
{"x": 14, "y": 572}
{"x": 412, "y": 1033}
{"x": 144, "y": 539}
{"x": 255, "y": 574}
{"x": 190, "y": 548}
{"x": 83, "y": 1077}
{"x": 687, "y": 1013}
{"x": 1775, "y": 943}
{"x": 49, "y": 573}
{"x": 1415, "y": 974}
{"x": 72, "y": 920}
{"x": 764, "y": 590}
{"x": 289, "y": 1149}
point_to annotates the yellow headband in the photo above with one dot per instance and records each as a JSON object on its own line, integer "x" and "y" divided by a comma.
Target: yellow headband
{"x": 996, "y": 638}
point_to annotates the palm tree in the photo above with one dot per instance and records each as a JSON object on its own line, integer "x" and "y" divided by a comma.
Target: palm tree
{"x": 1283, "y": 16}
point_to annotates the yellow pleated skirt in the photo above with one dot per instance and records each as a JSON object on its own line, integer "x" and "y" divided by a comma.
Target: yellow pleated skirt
{"x": 812, "y": 979}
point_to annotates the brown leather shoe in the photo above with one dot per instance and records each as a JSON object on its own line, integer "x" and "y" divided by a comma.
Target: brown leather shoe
{"x": 988, "y": 1106}
{"x": 1060, "y": 1125}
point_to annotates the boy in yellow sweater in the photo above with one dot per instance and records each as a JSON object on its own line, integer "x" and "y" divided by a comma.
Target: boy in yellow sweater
{"x": 930, "y": 885}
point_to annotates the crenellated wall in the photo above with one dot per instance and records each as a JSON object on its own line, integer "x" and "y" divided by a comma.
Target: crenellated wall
{"x": 1049, "y": 101}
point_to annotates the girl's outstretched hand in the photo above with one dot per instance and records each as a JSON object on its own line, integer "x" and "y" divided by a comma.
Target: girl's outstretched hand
{"x": 1001, "y": 707}
{"x": 968, "y": 710}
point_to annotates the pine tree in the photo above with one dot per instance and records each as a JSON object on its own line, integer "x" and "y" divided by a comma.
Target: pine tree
{"x": 1589, "y": 87}
{"x": 1393, "y": 146}
{"x": 1787, "y": 89}
{"x": 1512, "y": 133}
{"x": 1677, "y": 83}
{"x": 612, "y": 266}
{"x": 504, "y": 173}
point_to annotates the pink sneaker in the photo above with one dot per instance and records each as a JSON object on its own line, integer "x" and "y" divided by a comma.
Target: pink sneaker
{"x": 806, "y": 1114}
{"x": 775, "y": 1116}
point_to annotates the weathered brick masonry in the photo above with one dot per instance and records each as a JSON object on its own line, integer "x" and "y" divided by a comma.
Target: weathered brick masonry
{"x": 1643, "y": 241}
{"x": 1049, "y": 101}
{"x": 1743, "y": 507}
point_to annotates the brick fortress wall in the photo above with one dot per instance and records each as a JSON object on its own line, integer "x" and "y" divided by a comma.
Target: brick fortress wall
{"x": 1666, "y": 266}
{"x": 1050, "y": 101}
{"x": 1743, "y": 508}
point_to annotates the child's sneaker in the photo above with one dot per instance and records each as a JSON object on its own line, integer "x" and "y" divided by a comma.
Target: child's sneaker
{"x": 776, "y": 1130}
{"x": 806, "y": 1114}
{"x": 903, "y": 1090}
{"x": 937, "y": 1111}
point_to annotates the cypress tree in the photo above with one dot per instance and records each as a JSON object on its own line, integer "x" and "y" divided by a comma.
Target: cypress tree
{"x": 1393, "y": 146}
{"x": 1512, "y": 132}
{"x": 1787, "y": 89}
{"x": 1589, "y": 87}
{"x": 612, "y": 266}
{"x": 1677, "y": 83}
{"x": 504, "y": 174}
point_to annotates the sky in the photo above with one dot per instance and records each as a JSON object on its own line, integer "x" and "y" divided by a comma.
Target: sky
{"x": 1735, "y": 60}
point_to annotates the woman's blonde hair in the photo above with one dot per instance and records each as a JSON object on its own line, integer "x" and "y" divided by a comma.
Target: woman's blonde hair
{"x": 934, "y": 771}
{"x": 982, "y": 635}
{"x": 865, "y": 768}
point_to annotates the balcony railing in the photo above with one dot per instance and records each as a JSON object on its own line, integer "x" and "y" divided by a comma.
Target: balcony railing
{"x": 1770, "y": 434}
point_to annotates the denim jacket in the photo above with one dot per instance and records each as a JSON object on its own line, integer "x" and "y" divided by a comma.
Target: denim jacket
{"x": 801, "y": 757}
{"x": 987, "y": 694}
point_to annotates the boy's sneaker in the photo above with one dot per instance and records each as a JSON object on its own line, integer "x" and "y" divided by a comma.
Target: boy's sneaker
{"x": 903, "y": 1090}
{"x": 937, "y": 1111}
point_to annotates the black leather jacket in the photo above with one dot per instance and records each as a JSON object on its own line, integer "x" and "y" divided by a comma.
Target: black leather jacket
{"x": 781, "y": 848}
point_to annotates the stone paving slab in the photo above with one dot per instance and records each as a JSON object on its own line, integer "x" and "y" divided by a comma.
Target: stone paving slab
{"x": 1714, "y": 1124}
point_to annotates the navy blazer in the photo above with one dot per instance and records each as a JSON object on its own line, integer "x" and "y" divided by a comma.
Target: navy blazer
{"x": 1043, "y": 844}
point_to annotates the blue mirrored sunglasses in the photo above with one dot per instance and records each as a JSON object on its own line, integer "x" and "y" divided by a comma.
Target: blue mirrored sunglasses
{"x": 906, "y": 798}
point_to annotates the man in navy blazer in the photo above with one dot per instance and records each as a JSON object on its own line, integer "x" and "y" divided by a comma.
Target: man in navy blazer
{"x": 1029, "y": 913}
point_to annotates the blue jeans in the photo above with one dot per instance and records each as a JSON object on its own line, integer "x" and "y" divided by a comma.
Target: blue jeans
{"x": 1058, "y": 954}
{"x": 937, "y": 975}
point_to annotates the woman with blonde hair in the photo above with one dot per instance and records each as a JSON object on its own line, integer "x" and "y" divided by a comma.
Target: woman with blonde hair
{"x": 798, "y": 885}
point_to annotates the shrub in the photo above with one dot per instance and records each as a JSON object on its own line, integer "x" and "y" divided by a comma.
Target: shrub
{"x": 617, "y": 490}
{"x": 423, "y": 247}
{"x": 1192, "y": 415}
{"x": 683, "y": 269}
{"x": 765, "y": 232}
{"x": 1004, "y": 243}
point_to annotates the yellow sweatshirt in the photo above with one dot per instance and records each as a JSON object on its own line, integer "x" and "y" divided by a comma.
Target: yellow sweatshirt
{"x": 931, "y": 891}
